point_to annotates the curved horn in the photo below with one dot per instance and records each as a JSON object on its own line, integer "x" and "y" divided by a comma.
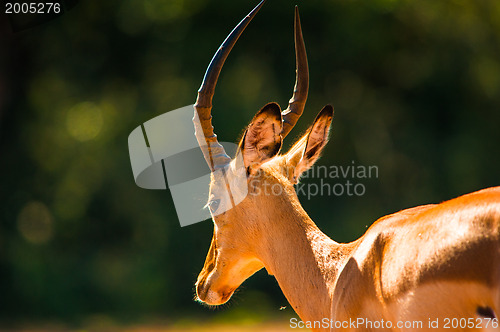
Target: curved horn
{"x": 298, "y": 101}
{"x": 213, "y": 152}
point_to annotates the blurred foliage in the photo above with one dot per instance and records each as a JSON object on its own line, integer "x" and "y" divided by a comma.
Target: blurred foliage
{"x": 416, "y": 89}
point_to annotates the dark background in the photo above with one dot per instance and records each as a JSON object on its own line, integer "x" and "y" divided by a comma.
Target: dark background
{"x": 416, "y": 91}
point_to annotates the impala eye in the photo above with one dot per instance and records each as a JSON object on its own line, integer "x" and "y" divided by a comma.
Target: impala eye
{"x": 214, "y": 205}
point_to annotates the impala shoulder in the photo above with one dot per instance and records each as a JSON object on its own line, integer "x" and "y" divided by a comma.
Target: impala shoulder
{"x": 484, "y": 200}
{"x": 371, "y": 247}
{"x": 487, "y": 200}
{"x": 480, "y": 210}
{"x": 493, "y": 193}
{"x": 363, "y": 269}
{"x": 398, "y": 218}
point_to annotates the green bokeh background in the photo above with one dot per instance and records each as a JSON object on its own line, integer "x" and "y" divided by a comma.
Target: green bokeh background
{"x": 416, "y": 91}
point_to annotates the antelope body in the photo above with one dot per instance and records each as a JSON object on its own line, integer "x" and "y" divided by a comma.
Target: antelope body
{"x": 429, "y": 263}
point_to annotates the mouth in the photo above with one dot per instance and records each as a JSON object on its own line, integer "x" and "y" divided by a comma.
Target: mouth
{"x": 211, "y": 297}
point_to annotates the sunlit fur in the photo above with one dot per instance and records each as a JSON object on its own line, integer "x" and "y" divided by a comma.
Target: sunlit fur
{"x": 432, "y": 261}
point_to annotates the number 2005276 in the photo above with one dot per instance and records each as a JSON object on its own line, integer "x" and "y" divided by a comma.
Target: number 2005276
{"x": 32, "y": 7}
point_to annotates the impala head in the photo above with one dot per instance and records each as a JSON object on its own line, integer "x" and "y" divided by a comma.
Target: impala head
{"x": 241, "y": 216}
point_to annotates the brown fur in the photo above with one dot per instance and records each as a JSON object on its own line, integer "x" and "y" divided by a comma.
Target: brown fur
{"x": 432, "y": 261}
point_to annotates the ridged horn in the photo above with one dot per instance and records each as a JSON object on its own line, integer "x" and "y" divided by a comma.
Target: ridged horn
{"x": 298, "y": 101}
{"x": 212, "y": 150}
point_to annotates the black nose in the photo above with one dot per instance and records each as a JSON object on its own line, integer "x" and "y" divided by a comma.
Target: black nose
{"x": 201, "y": 291}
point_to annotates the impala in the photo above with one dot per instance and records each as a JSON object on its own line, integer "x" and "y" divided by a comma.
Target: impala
{"x": 432, "y": 263}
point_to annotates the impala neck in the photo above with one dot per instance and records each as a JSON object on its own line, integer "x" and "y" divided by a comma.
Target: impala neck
{"x": 305, "y": 262}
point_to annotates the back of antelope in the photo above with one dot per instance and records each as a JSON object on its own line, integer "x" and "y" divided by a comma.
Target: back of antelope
{"x": 433, "y": 263}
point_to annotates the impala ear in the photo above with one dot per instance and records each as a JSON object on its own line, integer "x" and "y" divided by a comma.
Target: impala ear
{"x": 308, "y": 149}
{"x": 262, "y": 139}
